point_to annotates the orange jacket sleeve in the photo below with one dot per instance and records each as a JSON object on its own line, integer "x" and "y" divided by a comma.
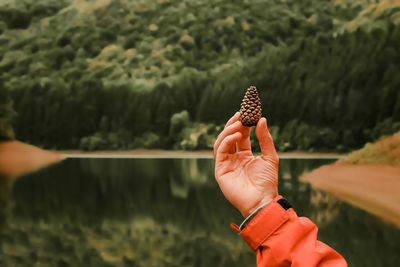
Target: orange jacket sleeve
{"x": 280, "y": 238}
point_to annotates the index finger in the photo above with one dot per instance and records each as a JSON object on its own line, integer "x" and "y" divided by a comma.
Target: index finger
{"x": 231, "y": 121}
{"x": 226, "y": 146}
{"x": 227, "y": 131}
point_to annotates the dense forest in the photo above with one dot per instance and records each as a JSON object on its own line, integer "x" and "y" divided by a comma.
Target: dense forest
{"x": 122, "y": 74}
{"x": 6, "y": 115}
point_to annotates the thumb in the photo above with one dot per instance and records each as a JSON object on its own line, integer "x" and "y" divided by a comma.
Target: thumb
{"x": 265, "y": 139}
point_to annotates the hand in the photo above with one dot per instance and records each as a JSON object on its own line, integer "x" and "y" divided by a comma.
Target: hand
{"x": 246, "y": 181}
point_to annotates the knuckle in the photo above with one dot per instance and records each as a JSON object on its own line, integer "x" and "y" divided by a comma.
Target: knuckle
{"x": 274, "y": 158}
{"x": 225, "y": 141}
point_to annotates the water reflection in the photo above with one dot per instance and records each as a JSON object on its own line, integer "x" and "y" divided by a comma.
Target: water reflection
{"x": 5, "y": 201}
{"x": 325, "y": 208}
{"x": 162, "y": 212}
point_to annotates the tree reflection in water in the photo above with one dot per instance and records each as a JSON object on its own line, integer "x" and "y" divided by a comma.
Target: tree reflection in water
{"x": 5, "y": 202}
{"x": 163, "y": 212}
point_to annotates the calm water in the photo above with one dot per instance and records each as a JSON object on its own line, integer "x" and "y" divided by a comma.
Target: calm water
{"x": 162, "y": 212}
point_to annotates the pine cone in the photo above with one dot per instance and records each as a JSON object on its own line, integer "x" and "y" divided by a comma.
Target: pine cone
{"x": 250, "y": 109}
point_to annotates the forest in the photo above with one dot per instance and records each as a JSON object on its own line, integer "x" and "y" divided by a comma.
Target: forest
{"x": 125, "y": 74}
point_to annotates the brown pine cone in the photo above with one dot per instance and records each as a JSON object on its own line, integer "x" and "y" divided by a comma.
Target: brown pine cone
{"x": 250, "y": 109}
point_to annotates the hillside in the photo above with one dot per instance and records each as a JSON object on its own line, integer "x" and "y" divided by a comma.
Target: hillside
{"x": 385, "y": 151}
{"x": 124, "y": 74}
{"x": 375, "y": 16}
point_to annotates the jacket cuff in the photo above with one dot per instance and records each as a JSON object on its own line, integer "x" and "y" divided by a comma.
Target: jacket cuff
{"x": 251, "y": 216}
{"x": 266, "y": 222}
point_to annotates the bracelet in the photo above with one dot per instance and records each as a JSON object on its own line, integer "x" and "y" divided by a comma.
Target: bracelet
{"x": 283, "y": 202}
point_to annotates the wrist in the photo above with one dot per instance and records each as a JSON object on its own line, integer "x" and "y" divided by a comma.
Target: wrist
{"x": 261, "y": 203}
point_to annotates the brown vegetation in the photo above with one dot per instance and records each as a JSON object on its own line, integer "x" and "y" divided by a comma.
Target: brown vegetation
{"x": 386, "y": 151}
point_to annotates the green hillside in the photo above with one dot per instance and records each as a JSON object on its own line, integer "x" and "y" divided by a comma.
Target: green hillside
{"x": 166, "y": 74}
{"x": 6, "y": 115}
{"x": 374, "y": 15}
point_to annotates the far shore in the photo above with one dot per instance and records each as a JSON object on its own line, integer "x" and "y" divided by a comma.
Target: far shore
{"x": 373, "y": 188}
{"x": 18, "y": 158}
{"x": 148, "y": 153}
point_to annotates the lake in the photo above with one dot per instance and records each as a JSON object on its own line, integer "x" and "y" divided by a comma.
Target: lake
{"x": 163, "y": 212}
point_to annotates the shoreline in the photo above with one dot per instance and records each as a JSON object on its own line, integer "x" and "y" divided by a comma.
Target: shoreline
{"x": 373, "y": 188}
{"x": 175, "y": 154}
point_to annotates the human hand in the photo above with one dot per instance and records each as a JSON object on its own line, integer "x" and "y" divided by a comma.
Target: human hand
{"x": 246, "y": 181}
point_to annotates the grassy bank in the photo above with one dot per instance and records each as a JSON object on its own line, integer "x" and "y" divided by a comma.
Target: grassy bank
{"x": 385, "y": 151}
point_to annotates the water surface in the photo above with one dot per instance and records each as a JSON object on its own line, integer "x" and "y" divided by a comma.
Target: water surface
{"x": 163, "y": 212}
